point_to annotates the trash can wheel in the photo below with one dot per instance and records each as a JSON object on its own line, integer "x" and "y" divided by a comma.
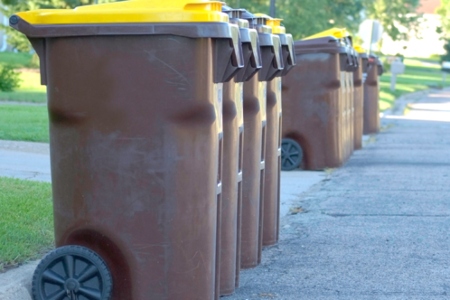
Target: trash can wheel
{"x": 72, "y": 273}
{"x": 291, "y": 154}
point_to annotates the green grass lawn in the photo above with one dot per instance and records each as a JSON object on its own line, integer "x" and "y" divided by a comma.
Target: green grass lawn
{"x": 17, "y": 60}
{"x": 26, "y": 225}
{"x": 30, "y": 89}
{"x": 23, "y": 123}
{"x": 419, "y": 75}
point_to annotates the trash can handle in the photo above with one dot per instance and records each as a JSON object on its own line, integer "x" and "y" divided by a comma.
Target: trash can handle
{"x": 290, "y": 43}
{"x": 255, "y": 59}
{"x": 278, "y": 62}
{"x": 229, "y": 56}
{"x": 236, "y": 56}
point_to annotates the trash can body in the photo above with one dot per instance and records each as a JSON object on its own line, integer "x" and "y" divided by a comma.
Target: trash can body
{"x": 271, "y": 191}
{"x": 358, "y": 81}
{"x": 254, "y": 120}
{"x": 232, "y": 181}
{"x": 135, "y": 139}
{"x": 371, "y": 123}
{"x": 348, "y": 63}
{"x": 312, "y": 105}
{"x": 233, "y": 141}
{"x": 255, "y": 132}
{"x": 121, "y": 161}
{"x": 271, "y": 205}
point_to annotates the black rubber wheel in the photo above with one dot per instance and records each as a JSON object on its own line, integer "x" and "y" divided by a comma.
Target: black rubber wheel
{"x": 71, "y": 273}
{"x": 291, "y": 154}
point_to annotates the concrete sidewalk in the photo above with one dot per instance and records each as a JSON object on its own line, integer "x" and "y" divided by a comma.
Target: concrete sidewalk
{"x": 378, "y": 228}
{"x": 25, "y": 160}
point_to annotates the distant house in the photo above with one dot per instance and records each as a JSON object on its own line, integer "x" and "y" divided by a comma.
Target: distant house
{"x": 428, "y": 40}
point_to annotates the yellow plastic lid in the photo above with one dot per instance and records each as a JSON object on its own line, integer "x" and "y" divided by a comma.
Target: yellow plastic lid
{"x": 277, "y": 28}
{"x": 338, "y": 33}
{"x": 359, "y": 49}
{"x": 273, "y": 23}
{"x": 260, "y": 15}
{"x": 134, "y": 11}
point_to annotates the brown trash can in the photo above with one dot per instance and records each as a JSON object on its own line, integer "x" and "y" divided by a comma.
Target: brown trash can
{"x": 135, "y": 134}
{"x": 313, "y": 106}
{"x": 348, "y": 64}
{"x": 271, "y": 205}
{"x": 255, "y": 142}
{"x": 371, "y": 119}
{"x": 233, "y": 130}
{"x": 358, "y": 81}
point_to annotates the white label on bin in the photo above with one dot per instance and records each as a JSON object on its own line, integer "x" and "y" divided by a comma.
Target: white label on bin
{"x": 364, "y": 76}
{"x": 344, "y": 81}
{"x": 218, "y": 94}
{"x": 239, "y": 94}
{"x": 262, "y": 95}
{"x": 278, "y": 84}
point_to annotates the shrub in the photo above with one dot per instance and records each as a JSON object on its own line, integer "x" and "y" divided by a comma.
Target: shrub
{"x": 9, "y": 78}
{"x": 34, "y": 62}
{"x": 446, "y": 56}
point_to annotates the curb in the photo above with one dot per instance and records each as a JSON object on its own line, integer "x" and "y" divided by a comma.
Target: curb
{"x": 15, "y": 284}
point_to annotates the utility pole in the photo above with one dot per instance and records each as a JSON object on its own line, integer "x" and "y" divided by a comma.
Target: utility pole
{"x": 272, "y": 11}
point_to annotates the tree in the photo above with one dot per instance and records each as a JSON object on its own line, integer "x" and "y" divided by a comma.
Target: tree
{"x": 444, "y": 11}
{"x": 303, "y": 18}
{"x": 394, "y": 14}
{"x": 16, "y": 39}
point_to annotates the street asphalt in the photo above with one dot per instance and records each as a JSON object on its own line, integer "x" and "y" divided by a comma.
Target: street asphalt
{"x": 377, "y": 228}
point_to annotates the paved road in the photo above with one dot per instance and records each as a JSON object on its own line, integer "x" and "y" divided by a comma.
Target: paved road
{"x": 379, "y": 228}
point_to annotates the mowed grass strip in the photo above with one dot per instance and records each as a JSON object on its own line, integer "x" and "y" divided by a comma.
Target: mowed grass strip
{"x": 26, "y": 223}
{"x": 30, "y": 89}
{"x": 17, "y": 60}
{"x": 24, "y": 123}
{"x": 418, "y": 76}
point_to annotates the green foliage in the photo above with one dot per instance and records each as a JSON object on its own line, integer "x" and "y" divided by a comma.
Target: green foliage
{"x": 30, "y": 89}
{"x": 301, "y": 18}
{"x": 394, "y": 13}
{"x": 446, "y": 56}
{"x": 307, "y": 17}
{"x": 9, "y": 78}
{"x": 16, "y": 39}
{"x": 34, "y": 62}
{"x": 444, "y": 11}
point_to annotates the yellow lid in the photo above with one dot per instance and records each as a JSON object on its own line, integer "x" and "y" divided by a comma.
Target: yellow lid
{"x": 359, "y": 49}
{"x": 274, "y": 23}
{"x": 260, "y": 15}
{"x": 338, "y": 33}
{"x": 277, "y": 28}
{"x": 134, "y": 11}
